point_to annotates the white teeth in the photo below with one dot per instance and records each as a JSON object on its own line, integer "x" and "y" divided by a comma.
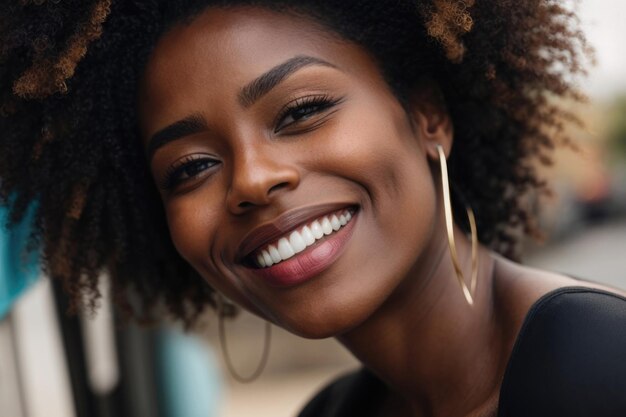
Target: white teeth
{"x": 308, "y": 237}
{"x": 326, "y": 226}
{"x": 300, "y": 240}
{"x": 267, "y": 258}
{"x": 296, "y": 241}
{"x": 316, "y": 229}
{"x": 285, "y": 249}
{"x": 274, "y": 254}
{"x": 334, "y": 222}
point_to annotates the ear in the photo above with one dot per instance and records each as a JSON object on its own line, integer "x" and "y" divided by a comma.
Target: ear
{"x": 432, "y": 121}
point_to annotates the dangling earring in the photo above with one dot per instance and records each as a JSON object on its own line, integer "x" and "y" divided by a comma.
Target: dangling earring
{"x": 447, "y": 205}
{"x": 222, "y": 306}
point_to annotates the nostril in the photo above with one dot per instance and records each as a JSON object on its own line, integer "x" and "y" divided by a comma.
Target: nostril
{"x": 259, "y": 196}
{"x": 278, "y": 186}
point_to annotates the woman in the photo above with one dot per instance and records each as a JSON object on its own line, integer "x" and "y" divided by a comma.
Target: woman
{"x": 176, "y": 144}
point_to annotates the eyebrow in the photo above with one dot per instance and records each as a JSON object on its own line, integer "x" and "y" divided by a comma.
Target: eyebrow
{"x": 247, "y": 96}
{"x": 188, "y": 126}
{"x": 263, "y": 84}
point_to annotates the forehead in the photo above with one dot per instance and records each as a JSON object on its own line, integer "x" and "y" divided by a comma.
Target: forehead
{"x": 222, "y": 49}
{"x": 223, "y": 36}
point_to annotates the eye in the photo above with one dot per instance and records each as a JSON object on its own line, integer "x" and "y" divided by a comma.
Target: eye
{"x": 187, "y": 168}
{"x": 302, "y": 109}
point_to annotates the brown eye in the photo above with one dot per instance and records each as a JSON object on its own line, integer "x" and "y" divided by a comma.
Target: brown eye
{"x": 302, "y": 109}
{"x": 186, "y": 169}
{"x": 194, "y": 168}
{"x": 302, "y": 113}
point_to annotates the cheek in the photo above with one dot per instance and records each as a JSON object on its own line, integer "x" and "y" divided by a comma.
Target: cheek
{"x": 374, "y": 145}
{"x": 379, "y": 150}
{"x": 192, "y": 222}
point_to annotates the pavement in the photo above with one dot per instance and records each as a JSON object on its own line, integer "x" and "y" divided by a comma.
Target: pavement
{"x": 597, "y": 254}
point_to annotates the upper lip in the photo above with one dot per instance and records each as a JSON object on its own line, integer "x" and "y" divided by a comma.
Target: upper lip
{"x": 289, "y": 220}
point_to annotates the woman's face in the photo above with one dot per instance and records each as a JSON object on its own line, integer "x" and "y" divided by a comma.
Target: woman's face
{"x": 257, "y": 124}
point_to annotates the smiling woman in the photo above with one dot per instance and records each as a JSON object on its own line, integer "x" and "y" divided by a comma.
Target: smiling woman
{"x": 293, "y": 157}
{"x": 296, "y": 130}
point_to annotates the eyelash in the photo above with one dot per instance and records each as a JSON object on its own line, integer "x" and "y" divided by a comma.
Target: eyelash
{"x": 319, "y": 103}
{"x": 174, "y": 172}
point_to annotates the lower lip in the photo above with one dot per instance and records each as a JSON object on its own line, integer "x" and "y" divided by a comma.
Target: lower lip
{"x": 310, "y": 262}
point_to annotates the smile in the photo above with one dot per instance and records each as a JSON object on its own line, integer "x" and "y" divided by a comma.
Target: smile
{"x": 298, "y": 240}
{"x": 302, "y": 252}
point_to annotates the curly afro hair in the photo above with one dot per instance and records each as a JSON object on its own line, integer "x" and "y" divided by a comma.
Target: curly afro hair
{"x": 69, "y": 71}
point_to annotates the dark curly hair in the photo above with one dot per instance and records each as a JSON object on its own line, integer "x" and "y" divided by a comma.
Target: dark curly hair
{"x": 69, "y": 71}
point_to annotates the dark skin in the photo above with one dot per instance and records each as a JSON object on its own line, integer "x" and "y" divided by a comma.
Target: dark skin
{"x": 392, "y": 297}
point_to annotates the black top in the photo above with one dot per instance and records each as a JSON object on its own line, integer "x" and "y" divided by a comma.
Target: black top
{"x": 569, "y": 360}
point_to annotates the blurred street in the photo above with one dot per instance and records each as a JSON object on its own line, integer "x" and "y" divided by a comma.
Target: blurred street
{"x": 597, "y": 253}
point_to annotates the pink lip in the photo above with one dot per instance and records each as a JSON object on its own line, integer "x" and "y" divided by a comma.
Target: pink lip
{"x": 310, "y": 262}
{"x": 268, "y": 232}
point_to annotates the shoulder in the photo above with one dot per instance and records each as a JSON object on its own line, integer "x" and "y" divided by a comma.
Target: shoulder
{"x": 569, "y": 357}
{"x": 357, "y": 393}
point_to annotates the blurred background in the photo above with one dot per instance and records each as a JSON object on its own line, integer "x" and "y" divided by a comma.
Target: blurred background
{"x": 53, "y": 366}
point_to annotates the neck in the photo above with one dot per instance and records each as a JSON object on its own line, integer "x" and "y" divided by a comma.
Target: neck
{"x": 440, "y": 355}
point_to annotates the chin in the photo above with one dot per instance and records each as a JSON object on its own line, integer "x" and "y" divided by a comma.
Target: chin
{"x": 316, "y": 330}
{"x": 323, "y": 320}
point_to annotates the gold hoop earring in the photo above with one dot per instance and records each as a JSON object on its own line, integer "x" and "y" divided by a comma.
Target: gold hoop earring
{"x": 467, "y": 292}
{"x": 221, "y": 308}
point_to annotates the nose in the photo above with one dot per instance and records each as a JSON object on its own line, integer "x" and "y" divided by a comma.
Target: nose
{"x": 258, "y": 176}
